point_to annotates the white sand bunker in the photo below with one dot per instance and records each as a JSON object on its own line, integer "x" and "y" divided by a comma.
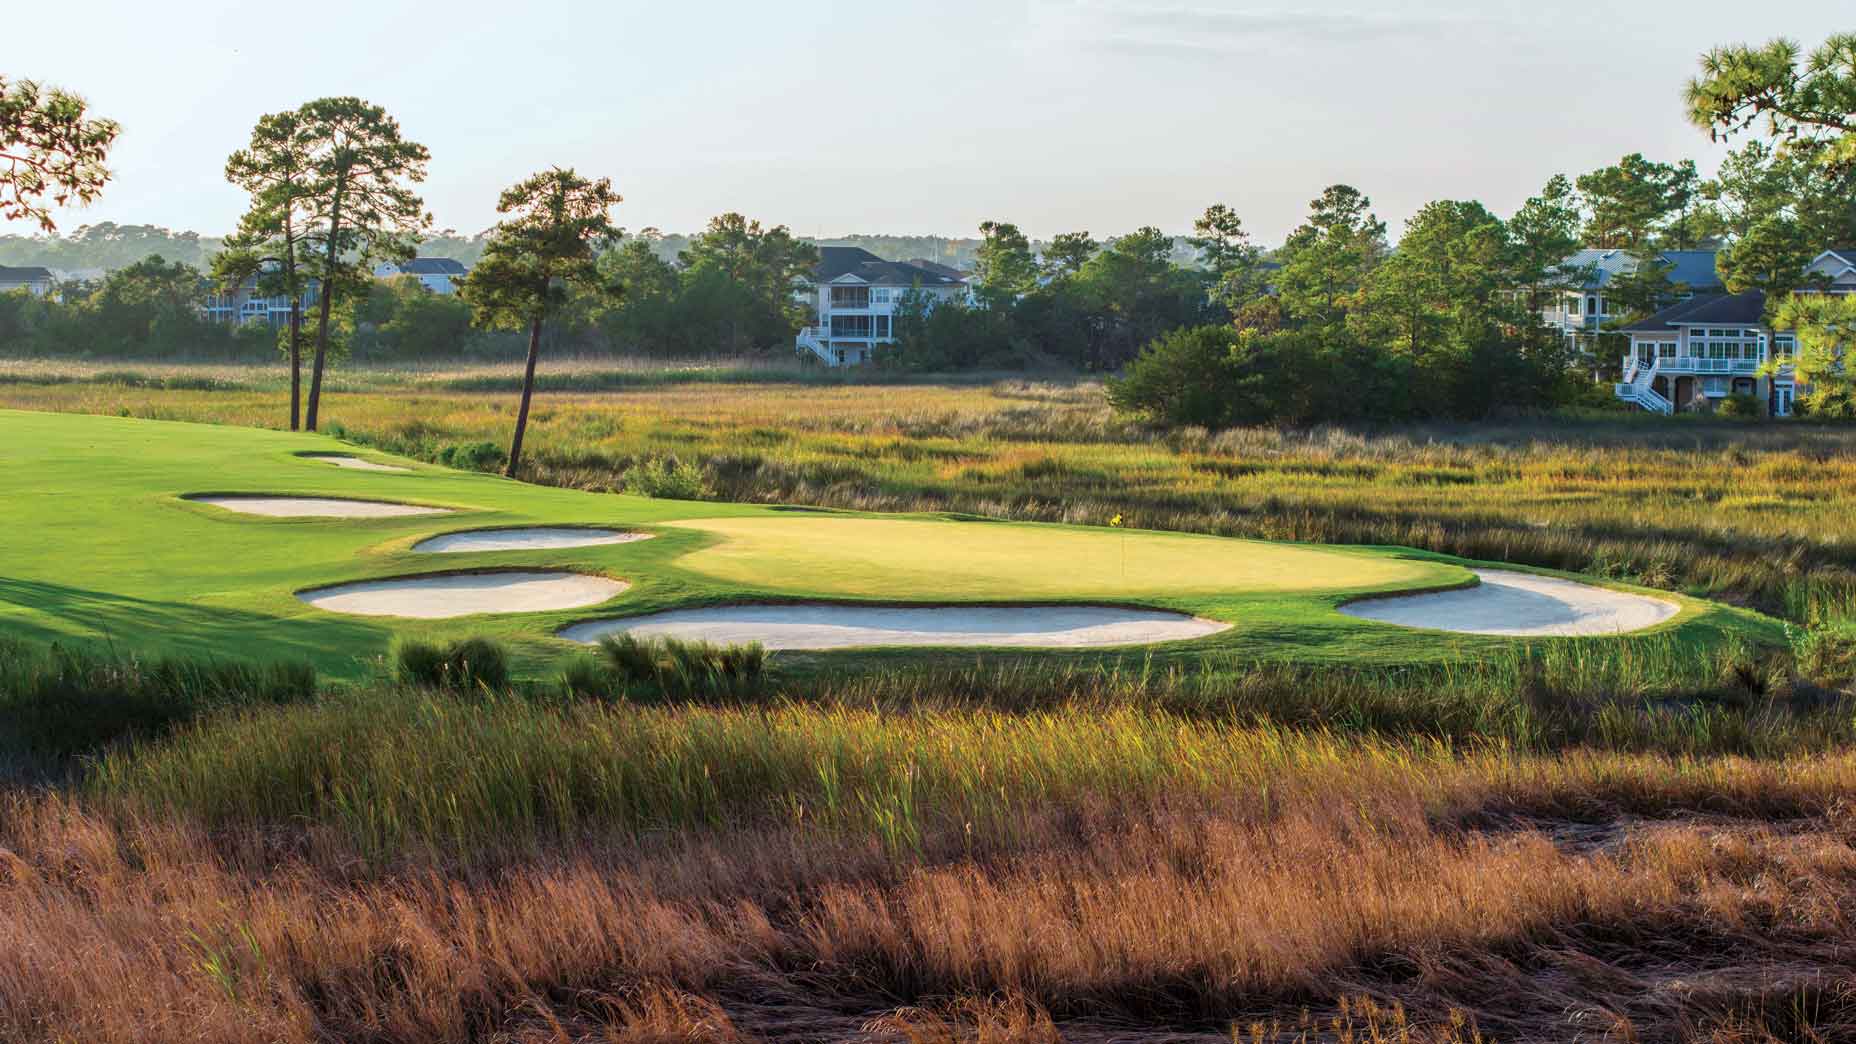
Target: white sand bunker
{"x": 343, "y": 461}
{"x": 847, "y": 626}
{"x": 316, "y": 507}
{"x": 445, "y": 595}
{"x": 529, "y": 539}
{"x": 1520, "y": 604}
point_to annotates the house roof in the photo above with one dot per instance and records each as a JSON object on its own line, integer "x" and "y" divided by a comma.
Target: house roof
{"x": 1691, "y": 268}
{"x": 1743, "y": 309}
{"x": 937, "y": 267}
{"x": 27, "y": 274}
{"x": 433, "y": 266}
{"x": 835, "y": 263}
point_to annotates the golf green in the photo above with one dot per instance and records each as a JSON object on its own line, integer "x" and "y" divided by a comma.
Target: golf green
{"x": 105, "y": 539}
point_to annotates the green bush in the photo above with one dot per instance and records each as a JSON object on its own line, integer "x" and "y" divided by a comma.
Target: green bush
{"x": 1740, "y": 406}
{"x": 1182, "y": 378}
{"x": 474, "y": 456}
{"x": 667, "y": 479}
{"x": 466, "y": 666}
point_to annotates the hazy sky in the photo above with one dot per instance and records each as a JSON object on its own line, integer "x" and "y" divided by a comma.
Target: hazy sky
{"x": 836, "y": 117}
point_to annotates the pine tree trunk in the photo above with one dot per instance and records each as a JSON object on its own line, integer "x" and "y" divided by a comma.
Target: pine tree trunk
{"x": 328, "y": 299}
{"x": 528, "y": 391}
{"x": 296, "y": 363}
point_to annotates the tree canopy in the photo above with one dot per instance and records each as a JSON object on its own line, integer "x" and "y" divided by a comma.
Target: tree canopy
{"x": 52, "y": 151}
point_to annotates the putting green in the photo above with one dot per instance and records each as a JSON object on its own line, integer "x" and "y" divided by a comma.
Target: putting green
{"x": 100, "y": 544}
{"x": 918, "y": 559}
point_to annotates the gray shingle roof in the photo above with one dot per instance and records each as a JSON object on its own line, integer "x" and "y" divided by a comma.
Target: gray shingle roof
{"x": 834, "y": 262}
{"x": 433, "y": 266}
{"x": 25, "y": 274}
{"x": 1691, "y": 268}
{"x": 1743, "y": 309}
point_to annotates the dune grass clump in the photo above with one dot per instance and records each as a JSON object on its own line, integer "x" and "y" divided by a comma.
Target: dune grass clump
{"x": 672, "y": 668}
{"x": 469, "y": 665}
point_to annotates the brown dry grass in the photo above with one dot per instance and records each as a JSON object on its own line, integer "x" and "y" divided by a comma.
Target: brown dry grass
{"x": 1465, "y": 896}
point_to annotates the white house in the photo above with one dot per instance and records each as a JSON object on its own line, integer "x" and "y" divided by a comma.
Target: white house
{"x": 1582, "y": 311}
{"x": 1701, "y": 350}
{"x": 33, "y": 280}
{"x": 1835, "y": 270}
{"x": 437, "y": 273}
{"x": 855, "y": 294}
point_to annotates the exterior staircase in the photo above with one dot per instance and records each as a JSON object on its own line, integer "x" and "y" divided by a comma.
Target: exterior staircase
{"x": 808, "y": 341}
{"x": 1636, "y": 388}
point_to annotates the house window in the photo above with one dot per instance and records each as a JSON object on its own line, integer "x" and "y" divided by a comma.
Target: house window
{"x": 1714, "y": 385}
{"x": 1783, "y": 346}
{"x": 850, "y": 297}
{"x": 850, "y": 326}
{"x": 882, "y": 326}
{"x": 1666, "y": 350}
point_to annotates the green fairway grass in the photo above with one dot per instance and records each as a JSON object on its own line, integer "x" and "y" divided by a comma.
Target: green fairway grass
{"x": 100, "y": 545}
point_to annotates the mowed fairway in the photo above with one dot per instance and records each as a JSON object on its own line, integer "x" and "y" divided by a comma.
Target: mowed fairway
{"x": 102, "y": 544}
{"x": 890, "y": 558}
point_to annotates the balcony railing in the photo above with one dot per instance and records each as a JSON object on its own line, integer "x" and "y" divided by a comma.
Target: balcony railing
{"x": 1701, "y": 364}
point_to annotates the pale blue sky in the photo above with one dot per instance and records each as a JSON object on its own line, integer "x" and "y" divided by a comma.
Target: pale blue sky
{"x": 837, "y": 117}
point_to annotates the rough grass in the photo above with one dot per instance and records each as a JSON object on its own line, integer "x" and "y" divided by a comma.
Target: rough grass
{"x": 1084, "y": 875}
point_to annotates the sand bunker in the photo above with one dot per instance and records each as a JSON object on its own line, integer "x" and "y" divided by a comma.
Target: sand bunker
{"x": 1520, "y": 604}
{"x": 315, "y": 507}
{"x": 533, "y": 538}
{"x": 342, "y": 461}
{"x": 445, "y": 595}
{"x": 846, "y": 626}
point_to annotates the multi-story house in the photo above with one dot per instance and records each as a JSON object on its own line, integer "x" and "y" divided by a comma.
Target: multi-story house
{"x": 33, "y": 280}
{"x": 437, "y": 273}
{"x": 1696, "y": 352}
{"x": 245, "y": 304}
{"x": 1582, "y": 311}
{"x": 855, "y": 294}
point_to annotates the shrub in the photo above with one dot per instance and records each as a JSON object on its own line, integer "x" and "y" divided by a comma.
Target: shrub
{"x": 667, "y": 479}
{"x": 465, "y": 666}
{"x": 677, "y": 669}
{"x": 1182, "y": 378}
{"x": 474, "y": 456}
{"x": 1740, "y": 405}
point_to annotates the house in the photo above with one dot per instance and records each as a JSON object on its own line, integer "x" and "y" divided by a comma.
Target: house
{"x": 246, "y": 304}
{"x": 1582, "y": 311}
{"x": 436, "y": 273}
{"x": 855, "y": 294}
{"x": 33, "y": 280}
{"x": 1834, "y": 270}
{"x": 1699, "y": 351}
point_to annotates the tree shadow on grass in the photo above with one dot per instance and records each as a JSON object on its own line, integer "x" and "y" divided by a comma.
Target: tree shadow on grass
{"x": 37, "y": 610}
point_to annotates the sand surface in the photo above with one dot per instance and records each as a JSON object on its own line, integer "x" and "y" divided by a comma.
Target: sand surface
{"x": 524, "y": 539}
{"x": 845, "y": 627}
{"x": 446, "y": 595}
{"x": 316, "y": 507}
{"x": 356, "y": 463}
{"x": 1511, "y": 603}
